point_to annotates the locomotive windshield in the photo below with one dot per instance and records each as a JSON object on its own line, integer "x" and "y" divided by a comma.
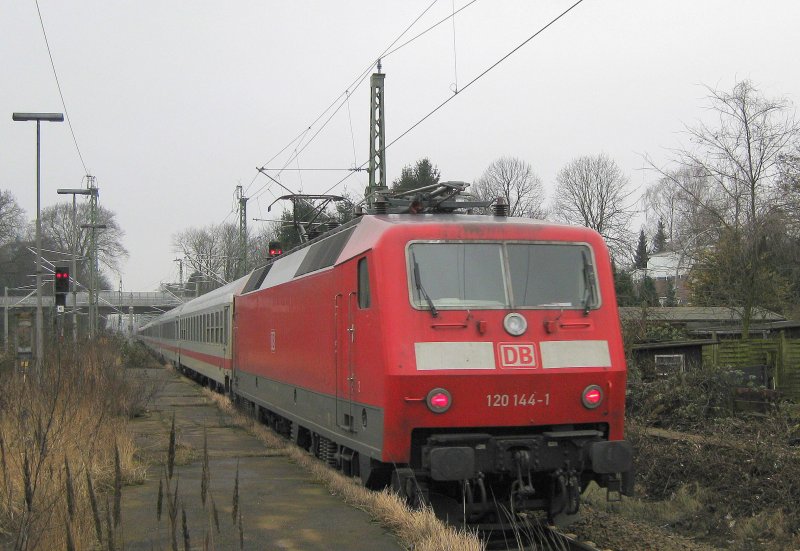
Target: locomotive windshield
{"x": 502, "y": 275}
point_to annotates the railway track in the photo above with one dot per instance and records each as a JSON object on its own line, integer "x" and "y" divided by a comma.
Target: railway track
{"x": 544, "y": 539}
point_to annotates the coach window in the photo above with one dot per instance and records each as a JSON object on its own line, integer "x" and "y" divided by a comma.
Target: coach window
{"x": 363, "y": 284}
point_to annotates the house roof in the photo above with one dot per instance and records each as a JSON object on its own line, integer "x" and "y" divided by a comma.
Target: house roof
{"x": 705, "y": 315}
{"x": 673, "y": 344}
{"x": 764, "y": 328}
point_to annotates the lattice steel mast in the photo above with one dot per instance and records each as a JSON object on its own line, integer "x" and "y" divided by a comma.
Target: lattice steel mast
{"x": 377, "y": 140}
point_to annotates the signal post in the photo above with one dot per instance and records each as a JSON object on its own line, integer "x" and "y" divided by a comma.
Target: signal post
{"x": 60, "y": 288}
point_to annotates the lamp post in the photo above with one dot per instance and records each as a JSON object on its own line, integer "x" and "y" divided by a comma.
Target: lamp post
{"x": 38, "y": 117}
{"x": 74, "y": 269}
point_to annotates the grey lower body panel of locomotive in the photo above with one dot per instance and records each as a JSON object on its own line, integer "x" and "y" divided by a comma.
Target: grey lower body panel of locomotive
{"x": 357, "y": 426}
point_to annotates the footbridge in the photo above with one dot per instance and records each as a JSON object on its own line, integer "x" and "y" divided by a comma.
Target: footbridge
{"x": 108, "y": 302}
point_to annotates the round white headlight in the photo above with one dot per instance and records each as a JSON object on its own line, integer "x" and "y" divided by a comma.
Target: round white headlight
{"x": 515, "y": 324}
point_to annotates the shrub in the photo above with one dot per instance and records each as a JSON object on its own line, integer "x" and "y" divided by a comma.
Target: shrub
{"x": 683, "y": 400}
{"x": 72, "y": 412}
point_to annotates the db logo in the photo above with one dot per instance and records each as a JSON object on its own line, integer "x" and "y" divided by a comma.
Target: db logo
{"x": 517, "y": 355}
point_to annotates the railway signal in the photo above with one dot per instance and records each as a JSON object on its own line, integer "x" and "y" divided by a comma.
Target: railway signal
{"x": 275, "y": 249}
{"x": 61, "y": 285}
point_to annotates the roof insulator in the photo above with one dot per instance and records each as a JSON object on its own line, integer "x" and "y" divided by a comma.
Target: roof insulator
{"x": 417, "y": 204}
{"x": 500, "y": 207}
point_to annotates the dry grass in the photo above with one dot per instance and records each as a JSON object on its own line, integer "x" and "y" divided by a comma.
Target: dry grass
{"x": 71, "y": 413}
{"x": 677, "y": 509}
{"x": 416, "y": 529}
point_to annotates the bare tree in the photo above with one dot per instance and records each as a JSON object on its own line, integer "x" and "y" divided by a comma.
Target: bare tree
{"x": 213, "y": 256}
{"x": 231, "y": 258}
{"x": 259, "y": 241}
{"x": 516, "y": 181}
{"x": 59, "y": 232}
{"x": 201, "y": 250}
{"x": 12, "y": 217}
{"x": 673, "y": 201}
{"x": 213, "y": 253}
{"x": 741, "y": 154}
{"x": 738, "y": 161}
{"x": 593, "y": 191}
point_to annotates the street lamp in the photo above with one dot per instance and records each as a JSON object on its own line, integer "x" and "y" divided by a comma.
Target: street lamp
{"x": 38, "y": 117}
{"x": 74, "y": 270}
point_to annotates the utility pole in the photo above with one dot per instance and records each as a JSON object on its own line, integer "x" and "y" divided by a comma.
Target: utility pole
{"x": 377, "y": 138}
{"x": 92, "y": 256}
{"x": 93, "y": 275}
{"x": 119, "y": 303}
{"x": 180, "y": 274}
{"x": 5, "y": 321}
{"x": 242, "y": 268}
{"x": 130, "y": 322}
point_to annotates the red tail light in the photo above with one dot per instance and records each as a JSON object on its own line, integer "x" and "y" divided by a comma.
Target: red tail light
{"x": 592, "y": 396}
{"x": 439, "y": 400}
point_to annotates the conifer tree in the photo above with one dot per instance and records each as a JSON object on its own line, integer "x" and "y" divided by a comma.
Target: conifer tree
{"x": 660, "y": 238}
{"x": 641, "y": 257}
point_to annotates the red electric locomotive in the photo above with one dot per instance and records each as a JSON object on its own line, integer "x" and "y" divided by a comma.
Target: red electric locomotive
{"x": 467, "y": 360}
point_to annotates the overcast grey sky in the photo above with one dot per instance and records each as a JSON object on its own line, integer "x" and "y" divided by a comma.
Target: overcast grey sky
{"x": 175, "y": 103}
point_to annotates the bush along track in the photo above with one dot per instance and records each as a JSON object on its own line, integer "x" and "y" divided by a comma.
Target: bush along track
{"x": 64, "y": 449}
{"x": 709, "y": 472}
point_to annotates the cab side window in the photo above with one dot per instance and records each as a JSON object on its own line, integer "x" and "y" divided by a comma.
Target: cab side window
{"x": 364, "y": 300}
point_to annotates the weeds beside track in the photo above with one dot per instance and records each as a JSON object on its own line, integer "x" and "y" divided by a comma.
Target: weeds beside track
{"x": 64, "y": 451}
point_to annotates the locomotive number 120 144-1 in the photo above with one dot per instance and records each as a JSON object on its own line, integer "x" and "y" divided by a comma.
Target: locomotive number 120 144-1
{"x": 517, "y": 400}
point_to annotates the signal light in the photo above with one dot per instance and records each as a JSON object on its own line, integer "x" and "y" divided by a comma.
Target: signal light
{"x": 439, "y": 400}
{"x": 592, "y": 396}
{"x": 275, "y": 249}
{"x": 61, "y": 280}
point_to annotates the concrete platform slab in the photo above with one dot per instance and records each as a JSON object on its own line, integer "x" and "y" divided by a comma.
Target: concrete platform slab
{"x": 281, "y": 506}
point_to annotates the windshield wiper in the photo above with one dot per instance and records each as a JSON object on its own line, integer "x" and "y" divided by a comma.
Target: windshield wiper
{"x": 588, "y": 278}
{"x": 420, "y": 288}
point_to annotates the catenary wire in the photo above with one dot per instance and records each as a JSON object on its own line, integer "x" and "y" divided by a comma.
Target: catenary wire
{"x": 426, "y": 31}
{"x": 60, "y": 93}
{"x": 470, "y": 83}
{"x": 352, "y": 134}
{"x": 481, "y": 75}
{"x": 455, "y": 51}
{"x": 357, "y": 82}
{"x": 362, "y": 76}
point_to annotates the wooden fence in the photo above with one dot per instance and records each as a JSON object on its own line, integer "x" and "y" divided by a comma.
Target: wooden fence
{"x": 780, "y": 353}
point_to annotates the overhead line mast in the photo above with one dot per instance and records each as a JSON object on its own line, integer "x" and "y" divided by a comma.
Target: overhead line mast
{"x": 242, "y": 203}
{"x": 377, "y": 140}
{"x": 439, "y": 197}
